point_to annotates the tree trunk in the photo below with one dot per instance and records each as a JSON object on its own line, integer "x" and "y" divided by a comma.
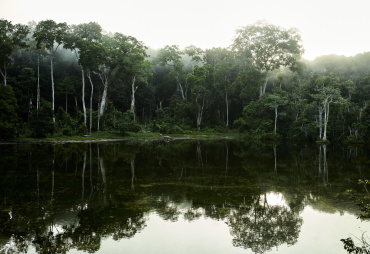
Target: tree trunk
{"x": 104, "y": 97}
{"x": 3, "y": 74}
{"x": 320, "y": 122}
{"x": 276, "y": 116}
{"x": 133, "y": 89}
{"x": 83, "y": 94}
{"x": 160, "y": 103}
{"x": 91, "y": 97}
{"x": 199, "y": 115}
{"x": 180, "y": 86}
{"x": 38, "y": 83}
{"x": 263, "y": 88}
{"x": 227, "y": 111}
{"x": 52, "y": 82}
{"x": 326, "y": 118}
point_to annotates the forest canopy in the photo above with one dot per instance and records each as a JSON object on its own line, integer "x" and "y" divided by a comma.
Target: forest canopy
{"x": 75, "y": 79}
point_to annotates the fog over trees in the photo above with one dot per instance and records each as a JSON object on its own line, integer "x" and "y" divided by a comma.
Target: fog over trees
{"x": 259, "y": 86}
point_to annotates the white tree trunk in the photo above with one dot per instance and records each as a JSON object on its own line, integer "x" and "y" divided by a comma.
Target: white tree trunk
{"x": 104, "y": 97}
{"x": 263, "y": 88}
{"x": 52, "y": 82}
{"x": 276, "y": 116}
{"x": 180, "y": 86}
{"x": 83, "y": 94}
{"x": 133, "y": 89}
{"x": 91, "y": 97}
{"x": 326, "y": 119}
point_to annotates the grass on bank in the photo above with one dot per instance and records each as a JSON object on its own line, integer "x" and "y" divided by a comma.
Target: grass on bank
{"x": 111, "y": 135}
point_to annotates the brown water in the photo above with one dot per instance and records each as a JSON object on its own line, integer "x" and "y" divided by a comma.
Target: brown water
{"x": 217, "y": 196}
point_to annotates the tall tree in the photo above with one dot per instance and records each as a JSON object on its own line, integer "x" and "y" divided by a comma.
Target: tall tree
{"x": 198, "y": 81}
{"x": 118, "y": 49}
{"x": 51, "y": 35}
{"x": 327, "y": 93}
{"x": 223, "y": 80}
{"x": 135, "y": 65}
{"x": 276, "y": 99}
{"x": 12, "y": 37}
{"x": 268, "y": 46}
{"x": 79, "y": 40}
{"x": 171, "y": 56}
{"x": 91, "y": 55}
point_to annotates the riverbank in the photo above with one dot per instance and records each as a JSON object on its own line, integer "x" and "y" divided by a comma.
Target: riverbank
{"x": 114, "y": 137}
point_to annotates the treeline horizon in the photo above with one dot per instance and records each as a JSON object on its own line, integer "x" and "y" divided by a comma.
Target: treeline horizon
{"x": 74, "y": 80}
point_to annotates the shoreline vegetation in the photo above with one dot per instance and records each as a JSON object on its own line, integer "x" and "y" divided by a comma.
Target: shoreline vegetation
{"x": 112, "y": 137}
{"x": 76, "y": 83}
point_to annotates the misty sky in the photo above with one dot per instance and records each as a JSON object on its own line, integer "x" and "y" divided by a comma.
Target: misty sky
{"x": 326, "y": 26}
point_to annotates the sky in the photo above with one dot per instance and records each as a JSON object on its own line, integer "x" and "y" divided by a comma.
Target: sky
{"x": 339, "y": 27}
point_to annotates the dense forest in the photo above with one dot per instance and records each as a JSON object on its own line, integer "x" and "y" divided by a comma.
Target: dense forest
{"x": 60, "y": 79}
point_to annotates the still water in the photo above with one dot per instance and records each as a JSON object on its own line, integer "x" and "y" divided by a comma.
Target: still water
{"x": 183, "y": 196}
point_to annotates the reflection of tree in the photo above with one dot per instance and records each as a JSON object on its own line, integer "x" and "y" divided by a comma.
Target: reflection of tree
{"x": 169, "y": 179}
{"x": 168, "y": 210}
{"x": 323, "y": 164}
{"x": 263, "y": 227}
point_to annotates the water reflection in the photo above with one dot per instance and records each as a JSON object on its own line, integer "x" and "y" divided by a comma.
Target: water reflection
{"x": 58, "y": 198}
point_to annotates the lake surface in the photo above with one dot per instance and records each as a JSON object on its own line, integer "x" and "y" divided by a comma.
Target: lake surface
{"x": 183, "y": 196}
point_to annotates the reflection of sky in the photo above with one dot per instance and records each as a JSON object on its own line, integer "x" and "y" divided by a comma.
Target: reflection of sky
{"x": 274, "y": 199}
{"x": 320, "y": 233}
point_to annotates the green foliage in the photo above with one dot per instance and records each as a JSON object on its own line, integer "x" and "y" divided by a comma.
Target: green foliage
{"x": 238, "y": 85}
{"x": 269, "y": 46}
{"x": 12, "y": 37}
{"x": 66, "y": 125}
{"x": 351, "y": 247}
{"x": 127, "y": 123}
{"x": 41, "y": 123}
{"x": 8, "y": 116}
{"x": 363, "y": 202}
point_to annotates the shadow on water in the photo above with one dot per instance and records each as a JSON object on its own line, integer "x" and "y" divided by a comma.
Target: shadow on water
{"x": 55, "y": 198}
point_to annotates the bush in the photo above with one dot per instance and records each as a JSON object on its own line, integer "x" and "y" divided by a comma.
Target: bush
{"x": 8, "y": 116}
{"x": 127, "y": 123}
{"x": 41, "y": 122}
{"x": 66, "y": 125}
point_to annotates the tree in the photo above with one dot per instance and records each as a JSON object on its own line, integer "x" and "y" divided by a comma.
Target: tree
{"x": 195, "y": 53}
{"x": 278, "y": 98}
{"x": 327, "y": 93}
{"x": 268, "y": 46}
{"x": 51, "y": 35}
{"x": 24, "y": 92}
{"x": 8, "y": 116}
{"x": 135, "y": 65}
{"x": 118, "y": 59}
{"x": 171, "y": 55}
{"x": 12, "y": 37}
{"x": 91, "y": 55}
{"x": 223, "y": 79}
{"x": 197, "y": 80}
{"x": 67, "y": 86}
{"x": 80, "y": 40}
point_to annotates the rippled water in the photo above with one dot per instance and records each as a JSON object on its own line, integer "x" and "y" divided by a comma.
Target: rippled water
{"x": 184, "y": 196}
